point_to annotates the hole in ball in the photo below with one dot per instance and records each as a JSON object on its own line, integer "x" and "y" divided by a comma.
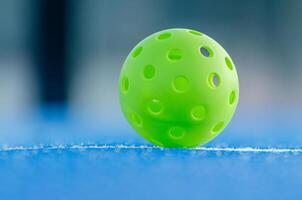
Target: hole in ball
{"x": 198, "y": 113}
{"x": 176, "y": 132}
{"x": 164, "y": 36}
{"x": 125, "y": 84}
{"x": 180, "y": 84}
{"x": 229, "y": 63}
{"x": 218, "y": 127}
{"x": 137, "y": 52}
{"x": 195, "y": 32}
{"x": 135, "y": 119}
{"x": 214, "y": 80}
{"x": 175, "y": 54}
{"x": 155, "y": 106}
{"x": 232, "y": 98}
{"x": 149, "y": 71}
{"x": 206, "y": 51}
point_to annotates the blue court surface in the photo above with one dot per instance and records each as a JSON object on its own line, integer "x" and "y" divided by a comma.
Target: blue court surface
{"x": 59, "y": 156}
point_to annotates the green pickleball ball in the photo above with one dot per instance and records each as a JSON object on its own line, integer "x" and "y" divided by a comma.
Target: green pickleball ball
{"x": 178, "y": 88}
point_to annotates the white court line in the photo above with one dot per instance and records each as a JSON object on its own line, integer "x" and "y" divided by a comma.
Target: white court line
{"x": 143, "y": 147}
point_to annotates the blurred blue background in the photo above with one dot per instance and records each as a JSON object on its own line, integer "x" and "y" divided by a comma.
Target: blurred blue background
{"x": 59, "y": 67}
{"x": 65, "y": 57}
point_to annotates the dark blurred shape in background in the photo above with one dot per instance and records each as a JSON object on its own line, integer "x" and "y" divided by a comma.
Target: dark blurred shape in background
{"x": 50, "y": 32}
{"x": 70, "y": 52}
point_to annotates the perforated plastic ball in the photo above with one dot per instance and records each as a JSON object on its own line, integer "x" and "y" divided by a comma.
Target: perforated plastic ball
{"x": 178, "y": 88}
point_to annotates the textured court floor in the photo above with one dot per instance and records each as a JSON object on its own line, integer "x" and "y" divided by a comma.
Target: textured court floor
{"x": 63, "y": 158}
